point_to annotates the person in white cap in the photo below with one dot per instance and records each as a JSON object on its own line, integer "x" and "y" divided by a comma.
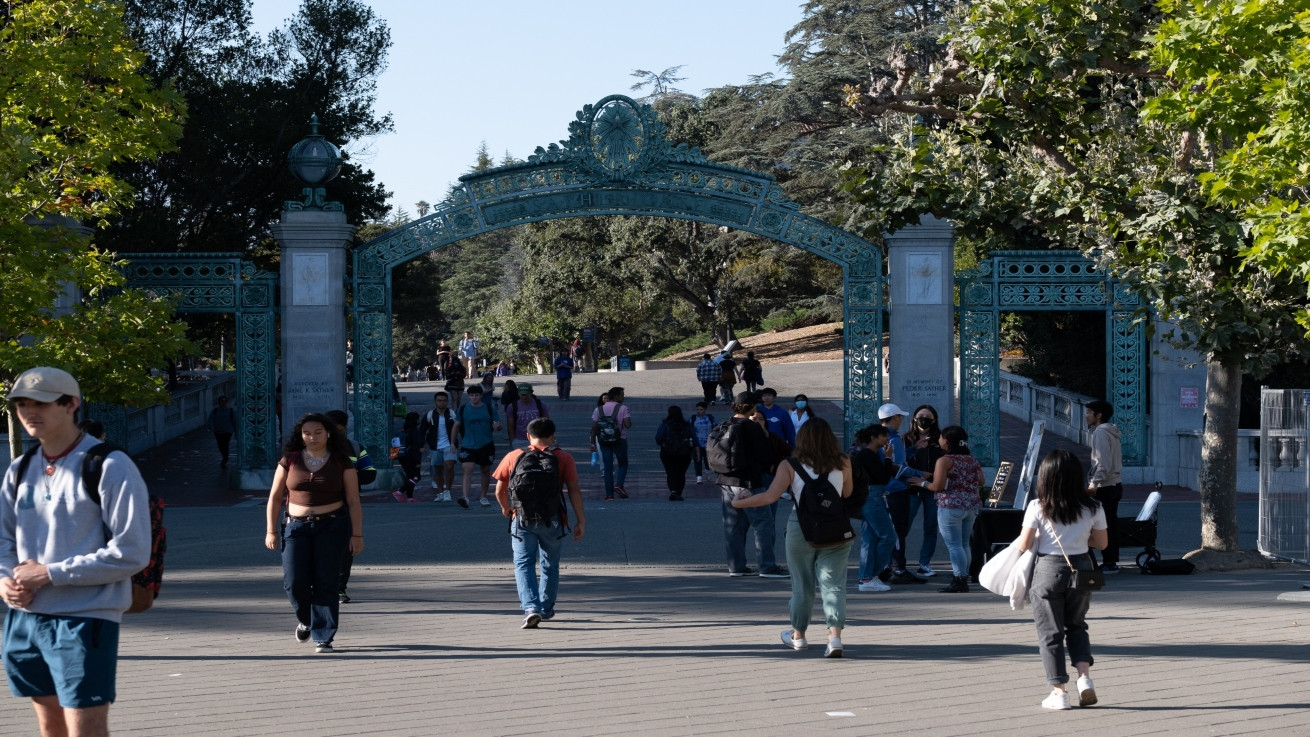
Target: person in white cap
{"x": 66, "y": 562}
{"x": 898, "y": 497}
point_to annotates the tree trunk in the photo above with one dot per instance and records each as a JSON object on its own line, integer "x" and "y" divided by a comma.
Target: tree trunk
{"x": 15, "y": 434}
{"x": 1223, "y": 384}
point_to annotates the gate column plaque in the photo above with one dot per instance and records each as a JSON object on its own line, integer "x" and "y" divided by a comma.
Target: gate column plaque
{"x": 922, "y": 350}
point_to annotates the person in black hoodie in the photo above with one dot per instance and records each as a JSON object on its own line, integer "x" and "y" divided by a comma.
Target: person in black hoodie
{"x": 923, "y": 450}
{"x": 751, "y": 447}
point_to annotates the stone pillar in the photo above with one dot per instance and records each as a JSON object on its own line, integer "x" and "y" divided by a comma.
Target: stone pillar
{"x": 921, "y": 354}
{"x": 313, "y": 312}
{"x": 1177, "y": 405}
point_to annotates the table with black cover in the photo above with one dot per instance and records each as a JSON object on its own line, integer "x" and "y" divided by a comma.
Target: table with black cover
{"x": 992, "y": 527}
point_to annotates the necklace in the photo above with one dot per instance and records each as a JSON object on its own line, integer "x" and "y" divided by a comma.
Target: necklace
{"x": 313, "y": 463}
{"x": 51, "y": 460}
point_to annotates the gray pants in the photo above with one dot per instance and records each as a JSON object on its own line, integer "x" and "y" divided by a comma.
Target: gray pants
{"x": 1060, "y": 615}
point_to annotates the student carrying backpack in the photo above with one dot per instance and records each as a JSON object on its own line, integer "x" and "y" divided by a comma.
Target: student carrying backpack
{"x": 820, "y": 511}
{"x": 535, "y": 491}
{"x": 146, "y": 582}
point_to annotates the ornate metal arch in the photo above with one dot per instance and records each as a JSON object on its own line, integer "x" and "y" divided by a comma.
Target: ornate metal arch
{"x": 1015, "y": 281}
{"x": 616, "y": 161}
{"x": 225, "y": 283}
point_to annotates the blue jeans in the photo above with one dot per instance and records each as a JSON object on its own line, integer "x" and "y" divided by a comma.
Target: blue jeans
{"x": 533, "y": 544}
{"x": 877, "y": 536}
{"x": 736, "y": 522}
{"x": 614, "y": 459}
{"x": 926, "y": 500}
{"x": 311, "y": 564}
{"x": 956, "y": 525}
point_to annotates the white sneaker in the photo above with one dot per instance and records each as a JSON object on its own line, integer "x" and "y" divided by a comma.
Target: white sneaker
{"x": 795, "y": 643}
{"x": 700, "y": 480}
{"x": 1086, "y": 691}
{"x": 434, "y": 485}
{"x": 834, "y": 648}
{"x": 924, "y": 572}
{"x": 874, "y": 585}
{"x": 484, "y": 502}
{"x": 1058, "y": 700}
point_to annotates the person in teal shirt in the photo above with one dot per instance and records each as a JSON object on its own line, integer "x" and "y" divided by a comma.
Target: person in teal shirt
{"x": 474, "y": 424}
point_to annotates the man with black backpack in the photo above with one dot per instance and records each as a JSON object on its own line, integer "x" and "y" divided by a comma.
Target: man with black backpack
{"x": 738, "y": 451}
{"x": 66, "y": 561}
{"x": 530, "y": 488}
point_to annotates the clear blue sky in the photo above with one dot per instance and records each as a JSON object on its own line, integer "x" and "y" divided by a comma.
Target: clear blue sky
{"x": 512, "y": 73}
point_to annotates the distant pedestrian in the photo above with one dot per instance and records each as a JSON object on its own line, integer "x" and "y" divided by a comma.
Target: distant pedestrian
{"x": 454, "y": 387}
{"x": 1105, "y": 482}
{"x": 533, "y": 497}
{"x": 702, "y": 422}
{"x": 1060, "y": 526}
{"x": 520, "y": 414}
{"x": 727, "y": 376}
{"x": 752, "y": 372}
{"x": 438, "y": 430}
{"x": 750, "y": 448}
{"x": 564, "y": 376}
{"x": 475, "y": 424}
{"x": 614, "y": 450}
{"x": 445, "y": 357}
{"x": 410, "y": 457}
{"x": 468, "y": 351}
{"x": 922, "y": 449}
{"x": 779, "y": 420}
{"x": 818, "y": 455}
{"x": 801, "y": 411}
{"x": 222, "y": 422}
{"x": 708, "y": 374}
{"x": 675, "y": 438}
{"x": 955, "y": 482}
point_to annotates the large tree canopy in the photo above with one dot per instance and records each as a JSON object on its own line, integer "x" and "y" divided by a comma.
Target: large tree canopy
{"x": 1033, "y": 133}
{"x": 72, "y": 105}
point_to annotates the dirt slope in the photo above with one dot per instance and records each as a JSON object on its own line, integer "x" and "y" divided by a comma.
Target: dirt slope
{"x": 815, "y": 343}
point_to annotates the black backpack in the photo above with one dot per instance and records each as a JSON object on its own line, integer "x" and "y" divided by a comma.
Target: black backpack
{"x": 677, "y": 438}
{"x": 146, "y": 582}
{"x": 607, "y": 427}
{"x": 725, "y": 449}
{"x": 534, "y": 488}
{"x": 819, "y": 510}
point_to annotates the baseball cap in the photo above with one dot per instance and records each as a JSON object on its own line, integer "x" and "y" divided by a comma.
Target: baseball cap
{"x": 890, "y": 410}
{"x": 44, "y": 384}
{"x": 525, "y": 388}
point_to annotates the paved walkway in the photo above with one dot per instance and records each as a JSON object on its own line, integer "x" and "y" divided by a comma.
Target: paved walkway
{"x": 653, "y": 638}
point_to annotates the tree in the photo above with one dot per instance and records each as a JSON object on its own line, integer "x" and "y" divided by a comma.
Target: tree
{"x": 1033, "y": 128}
{"x": 250, "y": 100}
{"x": 73, "y": 105}
{"x": 1237, "y": 69}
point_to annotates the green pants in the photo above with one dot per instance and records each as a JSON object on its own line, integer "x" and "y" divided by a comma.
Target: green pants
{"x": 827, "y": 567}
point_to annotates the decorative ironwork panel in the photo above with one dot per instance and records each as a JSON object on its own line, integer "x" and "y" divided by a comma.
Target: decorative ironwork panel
{"x": 616, "y": 161}
{"x": 980, "y": 372}
{"x": 372, "y": 382}
{"x": 256, "y": 387}
{"x": 1048, "y": 280}
{"x": 113, "y": 417}
{"x": 1126, "y": 383}
{"x": 227, "y": 283}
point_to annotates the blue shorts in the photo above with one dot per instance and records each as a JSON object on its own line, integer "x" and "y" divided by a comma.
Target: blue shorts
{"x": 74, "y": 658}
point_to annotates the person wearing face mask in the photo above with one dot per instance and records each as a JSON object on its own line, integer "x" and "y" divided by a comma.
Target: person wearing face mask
{"x": 921, "y": 444}
{"x": 802, "y": 411}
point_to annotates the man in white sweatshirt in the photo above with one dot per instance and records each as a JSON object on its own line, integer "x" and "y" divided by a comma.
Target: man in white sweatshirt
{"x": 66, "y": 561}
{"x": 1105, "y": 482}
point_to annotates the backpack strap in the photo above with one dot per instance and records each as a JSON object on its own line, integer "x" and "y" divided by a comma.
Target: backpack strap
{"x": 24, "y": 461}
{"x": 93, "y": 462}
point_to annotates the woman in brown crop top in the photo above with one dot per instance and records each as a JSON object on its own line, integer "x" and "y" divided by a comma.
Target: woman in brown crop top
{"x": 323, "y": 518}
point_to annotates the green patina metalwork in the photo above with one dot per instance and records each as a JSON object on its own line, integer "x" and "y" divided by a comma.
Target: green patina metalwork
{"x": 616, "y": 161}
{"x": 224, "y": 283}
{"x": 1016, "y": 281}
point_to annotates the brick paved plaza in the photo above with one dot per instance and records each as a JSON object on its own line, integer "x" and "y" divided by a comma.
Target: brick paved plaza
{"x": 652, "y": 637}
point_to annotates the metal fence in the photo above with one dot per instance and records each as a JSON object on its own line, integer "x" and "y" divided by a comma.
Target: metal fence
{"x": 1285, "y": 474}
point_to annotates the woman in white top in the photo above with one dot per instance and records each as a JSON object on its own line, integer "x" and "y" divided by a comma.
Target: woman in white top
{"x": 802, "y": 413}
{"x": 1062, "y": 521}
{"x": 819, "y": 454}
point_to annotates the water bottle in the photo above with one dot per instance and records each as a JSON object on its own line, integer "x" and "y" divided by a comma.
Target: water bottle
{"x": 595, "y": 458}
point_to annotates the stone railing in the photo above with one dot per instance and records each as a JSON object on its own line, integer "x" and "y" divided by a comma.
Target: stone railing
{"x": 1287, "y": 473}
{"x": 1062, "y": 410}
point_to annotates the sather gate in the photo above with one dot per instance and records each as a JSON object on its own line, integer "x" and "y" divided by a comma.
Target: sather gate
{"x": 616, "y": 161}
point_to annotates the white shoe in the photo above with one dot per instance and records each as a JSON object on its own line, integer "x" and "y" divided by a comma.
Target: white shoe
{"x": 434, "y": 485}
{"x": 1086, "y": 691}
{"x": 834, "y": 648}
{"x": 795, "y": 643}
{"x": 1058, "y": 700}
{"x": 484, "y": 502}
{"x": 700, "y": 480}
{"x": 874, "y": 585}
{"x": 924, "y": 572}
